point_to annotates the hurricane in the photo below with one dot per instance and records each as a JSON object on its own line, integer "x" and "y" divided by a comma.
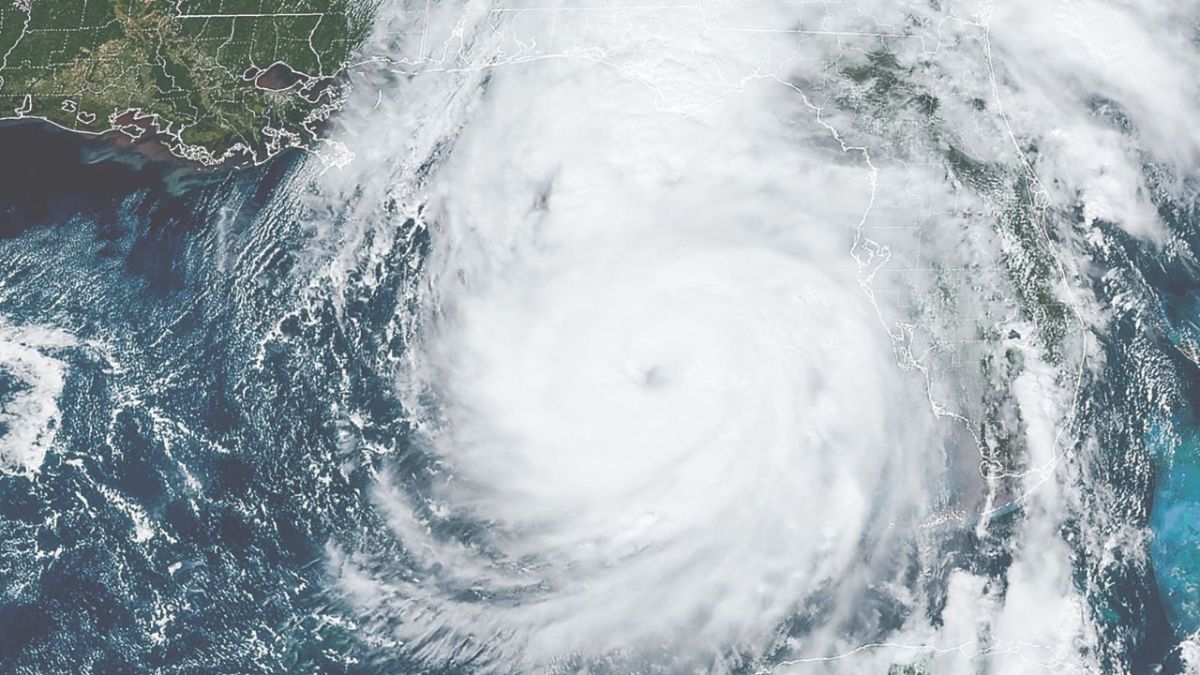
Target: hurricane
{"x": 653, "y": 371}
{"x": 665, "y": 403}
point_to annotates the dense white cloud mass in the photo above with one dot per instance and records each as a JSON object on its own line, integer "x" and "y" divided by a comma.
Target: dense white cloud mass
{"x": 32, "y": 382}
{"x": 658, "y": 375}
{"x": 741, "y": 323}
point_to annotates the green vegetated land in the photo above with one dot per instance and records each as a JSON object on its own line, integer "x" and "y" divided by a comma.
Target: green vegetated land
{"x": 211, "y": 80}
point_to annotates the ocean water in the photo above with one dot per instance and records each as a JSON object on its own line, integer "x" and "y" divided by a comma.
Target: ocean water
{"x": 181, "y": 520}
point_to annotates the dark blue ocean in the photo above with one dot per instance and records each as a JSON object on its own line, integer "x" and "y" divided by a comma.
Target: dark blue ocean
{"x": 201, "y": 461}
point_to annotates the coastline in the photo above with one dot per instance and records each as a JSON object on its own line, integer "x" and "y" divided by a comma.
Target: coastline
{"x": 52, "y": 173}
{"x": 115, "y": 144}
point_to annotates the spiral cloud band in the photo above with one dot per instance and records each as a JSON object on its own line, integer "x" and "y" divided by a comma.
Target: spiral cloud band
{"x": 747, "y": 336}
{"x": 681, "y": 409}
{"x": 652, "y": 378}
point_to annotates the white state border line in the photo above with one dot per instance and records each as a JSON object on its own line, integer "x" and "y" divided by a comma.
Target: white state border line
{"x": 247, "y": 16}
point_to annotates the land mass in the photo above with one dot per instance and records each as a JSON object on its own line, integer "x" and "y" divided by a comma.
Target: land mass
{"x": 207, "y": 81}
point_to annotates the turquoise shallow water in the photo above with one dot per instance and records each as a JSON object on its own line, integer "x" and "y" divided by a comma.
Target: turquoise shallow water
{"x": 1173, "y": 443}
{"x": 1175, "y": 521}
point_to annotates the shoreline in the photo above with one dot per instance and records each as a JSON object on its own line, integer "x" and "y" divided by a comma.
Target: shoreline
{"x": 146, "y": 157}
{"x": 149, "y": 147}
{"x": 48, "y": 167}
